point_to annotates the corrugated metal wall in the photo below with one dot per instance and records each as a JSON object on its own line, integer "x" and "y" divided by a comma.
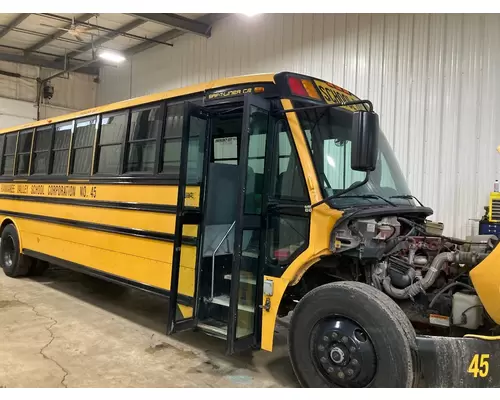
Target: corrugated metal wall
{"x": 434, "y": 79}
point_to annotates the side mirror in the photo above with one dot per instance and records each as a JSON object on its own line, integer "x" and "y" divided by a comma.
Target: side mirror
{"x": 364, "y": 149}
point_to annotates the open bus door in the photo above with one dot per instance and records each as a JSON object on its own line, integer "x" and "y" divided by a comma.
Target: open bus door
{"x": 183, "y": 283}
{"x": 230, "y": 224}
{"x": 248, "y": 260}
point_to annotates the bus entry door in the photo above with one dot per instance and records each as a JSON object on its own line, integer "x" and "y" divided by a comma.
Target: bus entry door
{"x": 183, "y": 282}
{"x": 246, "y": 275}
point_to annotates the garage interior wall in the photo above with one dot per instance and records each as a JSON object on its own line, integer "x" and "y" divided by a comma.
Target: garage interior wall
{"x": 434, "y": 80}
{"x": 18, "y": 95}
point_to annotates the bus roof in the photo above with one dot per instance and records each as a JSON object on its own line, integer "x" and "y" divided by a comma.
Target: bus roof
{"x": 201, "y": 87}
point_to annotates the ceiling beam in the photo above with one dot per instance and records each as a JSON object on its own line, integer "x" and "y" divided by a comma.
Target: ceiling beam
{"x": 56, "y": 35}
{"x": 15, "y": 22}
{"x": 46, "y": 63}
{"x": 208, "y": 19}
{"x": 121, "y": 32}
{"x": 106, "y": 38}
{"x": 178, "y": 22}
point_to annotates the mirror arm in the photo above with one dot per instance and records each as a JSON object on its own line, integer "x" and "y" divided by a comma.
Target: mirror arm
{"x": 350, "y": 189}
{"x": 347, "y": 103}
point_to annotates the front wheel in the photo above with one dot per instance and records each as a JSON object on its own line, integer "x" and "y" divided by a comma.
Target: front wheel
{"x": 349, "y": 334}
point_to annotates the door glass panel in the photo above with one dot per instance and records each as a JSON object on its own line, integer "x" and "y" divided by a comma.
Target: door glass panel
{"x": 196, "y": 150}
{"x": 288, "y": 180}
{"x": 249, "y": 268}
{"x": 286, "y": 236}
{"x": 250, "y": 245}
{"x": 187, "y": 274}
{"x": 189, "y": 252}
{"x": 256, "y": 155}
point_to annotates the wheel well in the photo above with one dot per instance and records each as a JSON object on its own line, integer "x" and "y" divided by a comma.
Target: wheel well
{"x": 327, "y": 270}
{"x": 5, "y": 222}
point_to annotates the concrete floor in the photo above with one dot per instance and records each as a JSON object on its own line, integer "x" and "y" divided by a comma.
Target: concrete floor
{"x": 70, "y": 330}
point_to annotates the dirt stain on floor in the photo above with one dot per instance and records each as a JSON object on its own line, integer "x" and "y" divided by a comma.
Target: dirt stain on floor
{"x": 9, "y": 303}
{"x": 158, "y": 347}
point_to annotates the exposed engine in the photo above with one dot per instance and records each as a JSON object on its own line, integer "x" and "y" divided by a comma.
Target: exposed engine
{"x": 412, "y": 262}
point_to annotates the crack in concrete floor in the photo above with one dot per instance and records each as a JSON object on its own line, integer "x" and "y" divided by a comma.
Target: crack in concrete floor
{"x": 98, "y": 340}
{"x": 52, "y": 337}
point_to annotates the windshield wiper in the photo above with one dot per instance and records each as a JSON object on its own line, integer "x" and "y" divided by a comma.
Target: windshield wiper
{"x": 407, "y": 197}
{"x": 367, "y": 196}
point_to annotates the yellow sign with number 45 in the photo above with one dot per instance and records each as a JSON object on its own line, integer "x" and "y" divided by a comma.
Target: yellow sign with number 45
{"x": 479, "y": 365}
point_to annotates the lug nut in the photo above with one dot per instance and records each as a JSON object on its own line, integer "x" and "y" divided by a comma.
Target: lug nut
{"x": 330, "y": 370}
{"x": 334, "y": 335}
{"x": 354, "y": 362}
{"x": 321, "y": 347}
{"x": 350, "y": 372}
{"x": 323, "y": 359}
{"x": 341, "y": 375}
{"x": 345, "y": 339}
{"x": 352, "y": 349}
{"x": 325, "y": 338}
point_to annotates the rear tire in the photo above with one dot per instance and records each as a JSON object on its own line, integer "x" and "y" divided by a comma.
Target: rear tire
{"x": 14, "y": 263}
{"x": 349, "y": 334}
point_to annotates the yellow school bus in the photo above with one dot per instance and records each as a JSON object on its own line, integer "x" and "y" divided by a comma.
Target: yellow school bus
{"x": 247, "y": 199}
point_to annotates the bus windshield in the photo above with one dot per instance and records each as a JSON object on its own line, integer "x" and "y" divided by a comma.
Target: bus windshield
{"x": 329, "y": 134}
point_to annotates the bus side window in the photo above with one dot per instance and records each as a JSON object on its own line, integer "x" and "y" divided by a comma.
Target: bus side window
{"x": 2, "y": 142}
{"x": 287, "y": 234}
{"x": 60, "y": 148}
{"x": 110, "y": 145}
{"x": 171, "y": 157}
{"x": 83, "y": 145}
{"x": 23, "y": 152}
{"x": 145, "y": 127}
{"x": 288, "y": 177}
{"x": 41, "y": 150}
{"x": 9, "y": 154}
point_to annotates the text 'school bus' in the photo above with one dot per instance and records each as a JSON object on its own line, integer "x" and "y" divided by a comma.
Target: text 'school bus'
{"x": 245, "y": 199}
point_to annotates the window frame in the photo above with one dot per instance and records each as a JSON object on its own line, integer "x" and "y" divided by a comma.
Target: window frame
{"x": 18, "y": 153}
{"x": 97, "y": 148}
{"x": 52, "y": 128}
{"x": 2, "y": 146}
{"x": 124, "y": 161}
{"x": 275, "y": 267}
{"x": 163, "y": 140}
{"x": 71, "y": 157}
{"x": 2, "y": 169}
{"x": 275, "y": 165}
{"x": 52, "y": 150}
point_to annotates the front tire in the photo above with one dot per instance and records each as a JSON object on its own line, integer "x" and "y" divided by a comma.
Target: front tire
{"x": 349, "y": 334}
{"x": 14, "y": 263}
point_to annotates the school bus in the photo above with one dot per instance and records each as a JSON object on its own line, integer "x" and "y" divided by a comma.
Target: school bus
{"x": 247, "y": 199}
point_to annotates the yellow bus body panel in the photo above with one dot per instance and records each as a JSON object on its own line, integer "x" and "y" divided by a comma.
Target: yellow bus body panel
{"x": 486, "y": 280}
{"x": 144, "y": 260}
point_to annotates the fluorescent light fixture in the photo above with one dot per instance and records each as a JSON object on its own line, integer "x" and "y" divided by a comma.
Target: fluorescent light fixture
{"x": 111, "y": 56}
{"x": 250, "y": 14}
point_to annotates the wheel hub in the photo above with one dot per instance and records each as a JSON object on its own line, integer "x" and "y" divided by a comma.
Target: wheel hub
{"x": 8, "y": 252}
{"x": 344, "y": 353}
{"x": 337, "y": 354}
